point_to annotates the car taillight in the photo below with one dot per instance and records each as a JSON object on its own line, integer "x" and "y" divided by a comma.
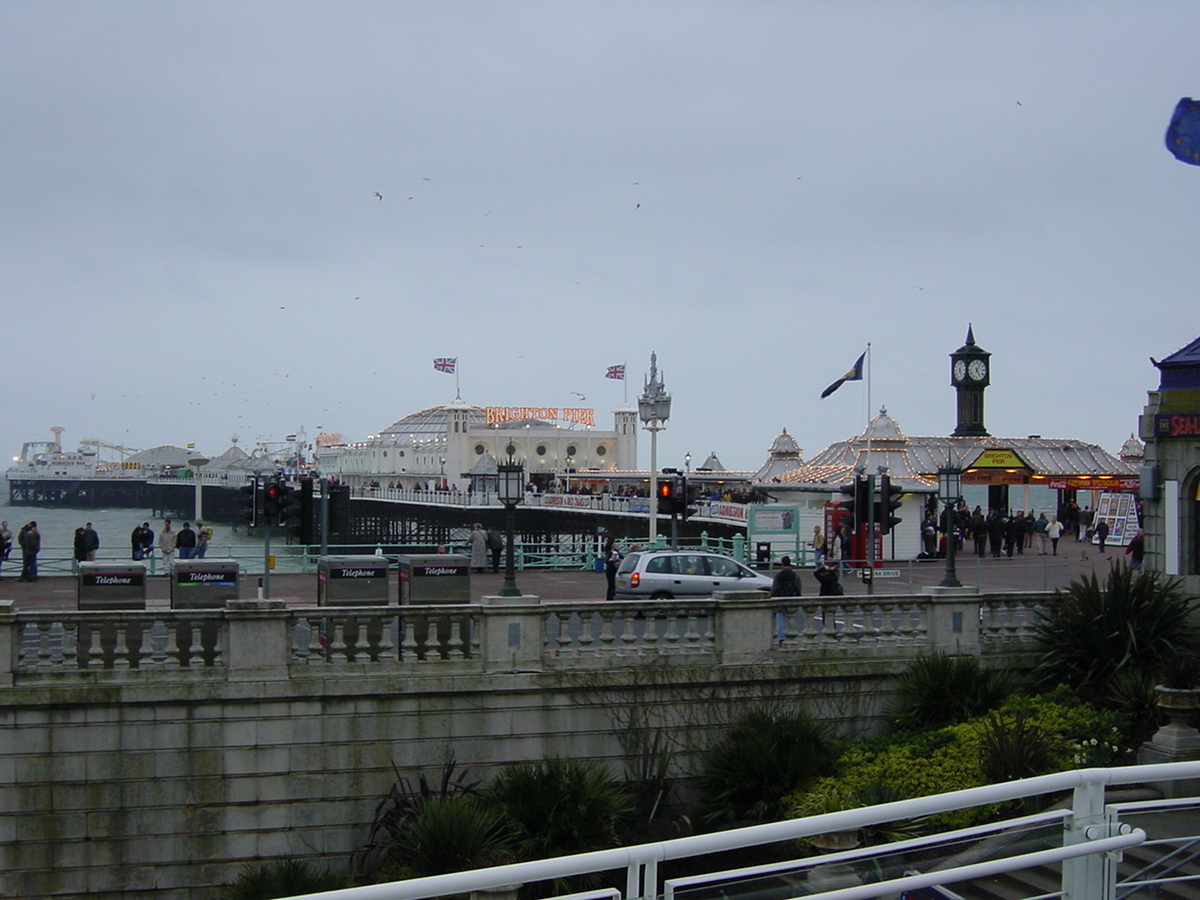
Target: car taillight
{"x": 635, "y": 579}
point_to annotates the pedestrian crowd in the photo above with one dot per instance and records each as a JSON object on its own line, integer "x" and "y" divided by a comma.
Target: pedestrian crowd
{"x": 189, "y": 543}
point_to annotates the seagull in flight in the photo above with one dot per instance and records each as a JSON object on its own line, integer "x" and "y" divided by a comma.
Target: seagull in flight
{"x": 379, "y": 195}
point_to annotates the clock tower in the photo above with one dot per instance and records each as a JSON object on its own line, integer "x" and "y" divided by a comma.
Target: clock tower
{"x": 970, "y": 374}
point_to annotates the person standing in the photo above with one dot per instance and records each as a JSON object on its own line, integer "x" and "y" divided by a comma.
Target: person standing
{"x": 827, "y": 576}
{"x": 612, "y": 561}
{"x": 1039, "y": 531}
{"x": 6, "y": 541}
{"x": 80, "y": 546}
{"x": 495, "y": 545}
{"x": 203, "y": 536}
{"x": 477, "y": 542}
{"x": 1054, "y": 530}
{"x": 1102, "y": 534}
{"x": 185, "y": 542}
{"x": 785, "y": 584}
{"x": 30, "y": 540}
{"x": 91, "y": 541}
{"x": 166, "y": 543}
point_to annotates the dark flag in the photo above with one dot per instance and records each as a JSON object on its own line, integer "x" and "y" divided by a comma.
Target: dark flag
{"x": 855, "y": 374}
{"x": 1183, "y": 134}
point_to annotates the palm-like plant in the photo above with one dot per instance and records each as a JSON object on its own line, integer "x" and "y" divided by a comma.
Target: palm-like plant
{"x": 450, "y": 835}
{"x": 943, "y": 689}
{"x": 559, "y": 806}
{"x": 1134, "y": 621}
{"x": 760, "y": 761}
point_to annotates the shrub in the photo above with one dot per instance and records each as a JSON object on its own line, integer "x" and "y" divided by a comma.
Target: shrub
{"x": 1014, "y": 747}
{"x": 759, "y": 762}
{"x": 957, "y": 757}
{"x": 285, "y": 878}
{"x": 1133, "y": 622}
{"x": 449, "y": 835}
{"x": 944, "y": 689}
{"x": 559, "y": 806}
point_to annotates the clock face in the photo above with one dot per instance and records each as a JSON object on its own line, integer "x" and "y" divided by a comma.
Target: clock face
{"x": 960, "y": 370}
{"x": 978, "y": 369}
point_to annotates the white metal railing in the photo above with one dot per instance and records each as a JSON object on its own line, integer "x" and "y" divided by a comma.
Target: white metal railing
{"x": 1089, "y": 845}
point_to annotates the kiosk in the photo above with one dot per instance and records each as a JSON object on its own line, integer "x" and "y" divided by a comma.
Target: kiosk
{"x": 434, "y": 578}
{"x": 111, "y": 585}
{"x": 203, "y": 583}
{"x": 352, "y": 581}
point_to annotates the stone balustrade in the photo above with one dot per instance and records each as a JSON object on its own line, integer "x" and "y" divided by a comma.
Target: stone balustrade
{"x": 266, "y": 639}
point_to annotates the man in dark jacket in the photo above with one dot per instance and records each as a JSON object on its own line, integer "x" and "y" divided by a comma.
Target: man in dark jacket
{"x": 31, "y": 545}
{"x": 185, "y": 541}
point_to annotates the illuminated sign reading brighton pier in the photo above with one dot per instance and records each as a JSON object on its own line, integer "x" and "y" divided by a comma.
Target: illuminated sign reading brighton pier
{"x": 497, "y": 415}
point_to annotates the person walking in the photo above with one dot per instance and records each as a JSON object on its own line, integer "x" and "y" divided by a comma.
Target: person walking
{"x": 477, "y": 542}
{"x": 30, "y": 540}
{"x": 1054, "y": 530}
{"x": 1039, "y": 531}
{"x": 495, "y": 545}
{"x": 1102, "y": 534}
{"x": 1136, "y": 551}
{"x": 818, "y": 546}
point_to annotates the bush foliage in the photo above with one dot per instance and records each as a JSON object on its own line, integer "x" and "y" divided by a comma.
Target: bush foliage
{"x": 944, "y": 689}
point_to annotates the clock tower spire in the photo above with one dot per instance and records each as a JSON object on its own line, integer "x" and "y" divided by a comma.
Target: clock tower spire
{"x": 970, "y": 374}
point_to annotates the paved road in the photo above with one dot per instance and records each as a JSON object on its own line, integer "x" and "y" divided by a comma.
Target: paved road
{"x": 1024, "y": 572}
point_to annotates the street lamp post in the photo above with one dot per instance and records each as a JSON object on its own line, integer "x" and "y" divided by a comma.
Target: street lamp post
{"x": 654, "y": 408}
{"x": 510, "y": 486}
{"x": 950, "y": 489}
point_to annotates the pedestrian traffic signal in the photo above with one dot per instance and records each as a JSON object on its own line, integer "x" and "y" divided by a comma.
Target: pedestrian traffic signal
{"x": 272, "y": 497}
{"x": 666, "y": 495}
{"x": 296, "y": 511}
{"x": 250, "y": 502}
{"x": 889, "y": 502}
{"x": 682, "y": 501}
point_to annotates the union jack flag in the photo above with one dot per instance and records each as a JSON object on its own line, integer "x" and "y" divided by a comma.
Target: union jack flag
{"x": 617, "y": 372}
{"x": 445, "y": 364}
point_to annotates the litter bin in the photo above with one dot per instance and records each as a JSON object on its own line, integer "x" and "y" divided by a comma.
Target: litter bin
{"x": 111, "y": 585}
{"x": 204, "y": 583}
{"x": 434, "y": 578}
{"x": 762, "y": 555}
{"x": 352, "y": 581}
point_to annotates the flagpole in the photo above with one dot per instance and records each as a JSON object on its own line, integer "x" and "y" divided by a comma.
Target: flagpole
{"x": 625, "y": 382}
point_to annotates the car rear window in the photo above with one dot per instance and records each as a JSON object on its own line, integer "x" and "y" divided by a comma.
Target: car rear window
{"x": 629, "y": 563}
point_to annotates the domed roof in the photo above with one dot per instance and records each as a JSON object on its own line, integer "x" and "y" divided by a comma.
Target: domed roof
{"x": 1133, "y": 449}
{"x": 427, "y": 424}
{"x": 784, "y": 447}
{"x": 883, "y": 428}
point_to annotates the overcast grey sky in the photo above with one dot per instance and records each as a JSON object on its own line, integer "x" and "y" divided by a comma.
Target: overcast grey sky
{"x": 192, "y": 246}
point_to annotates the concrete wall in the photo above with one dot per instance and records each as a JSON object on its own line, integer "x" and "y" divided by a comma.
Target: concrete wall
{"x": 1171, "y": 518}
{"x": 153, "y": 753}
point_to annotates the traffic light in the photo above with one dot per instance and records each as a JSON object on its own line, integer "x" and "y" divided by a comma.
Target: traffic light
{"x": 682, "y": 501}
{"x": 889, "y": 502}
{"x": 296, "y": 511}
{"x": 272, "y": 497}
{"x": 666, "y": 495}
{"x": 857, "y": 511}
{"x": 250, "y": 501}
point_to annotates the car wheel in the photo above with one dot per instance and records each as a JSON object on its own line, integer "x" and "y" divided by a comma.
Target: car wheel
{"x": 662, "y": 595}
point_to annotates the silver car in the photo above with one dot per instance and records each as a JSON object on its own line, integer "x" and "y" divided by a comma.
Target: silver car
{"x": 684, "y": 573}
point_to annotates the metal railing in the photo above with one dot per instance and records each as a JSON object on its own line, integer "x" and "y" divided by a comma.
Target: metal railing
{"x": 1088, "y": 845}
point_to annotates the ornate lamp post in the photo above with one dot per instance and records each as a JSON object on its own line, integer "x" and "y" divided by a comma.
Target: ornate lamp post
{"x": 654, "y": 408}
{"x": 950, "y": 489}
{"x": 510, "y": 485}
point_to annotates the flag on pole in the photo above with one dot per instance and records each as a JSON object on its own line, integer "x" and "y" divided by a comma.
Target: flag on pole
{"x": 1183, "y": 134}
{"x": 855, "y": 374}
{"x": 617, "y": 372}
{"x": 445, "y": 364}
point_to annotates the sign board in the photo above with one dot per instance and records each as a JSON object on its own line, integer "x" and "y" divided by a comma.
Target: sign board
{"x": 1120, "y": 512}
{"x": 1177, "y": 425}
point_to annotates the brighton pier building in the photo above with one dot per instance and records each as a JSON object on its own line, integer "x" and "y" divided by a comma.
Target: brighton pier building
{"x": 456, "y": 446}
